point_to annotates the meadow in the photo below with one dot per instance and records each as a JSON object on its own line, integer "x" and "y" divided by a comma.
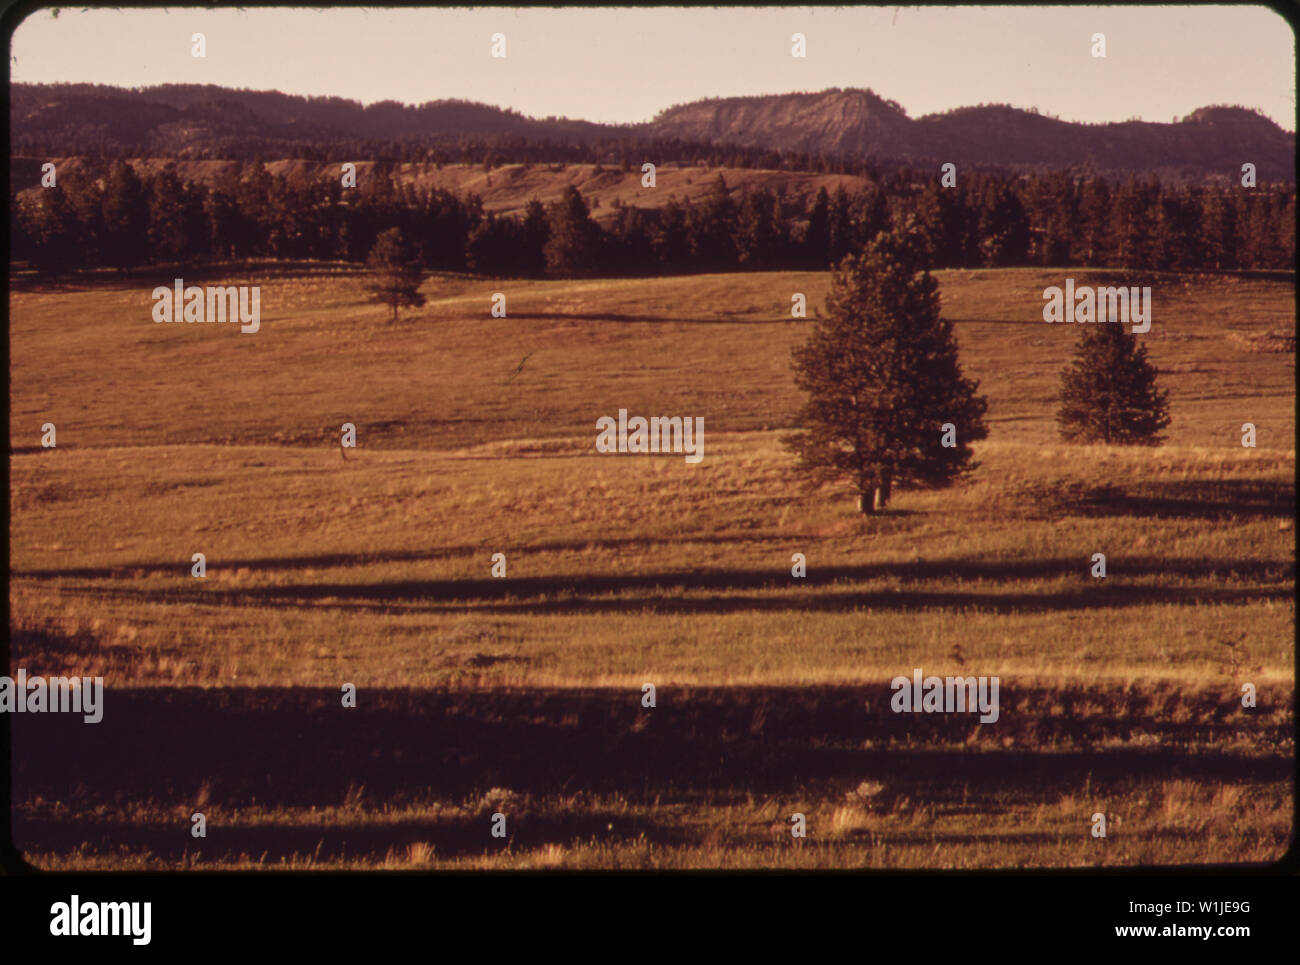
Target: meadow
{"x": 523, "y": 694}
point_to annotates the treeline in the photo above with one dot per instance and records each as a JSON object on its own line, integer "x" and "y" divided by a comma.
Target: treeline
{"x": 110, "y": 217}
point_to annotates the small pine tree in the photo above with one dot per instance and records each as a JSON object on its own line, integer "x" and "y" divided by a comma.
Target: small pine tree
{"x": 1109, "y": 392}
{"x": 397, "y": 273}
{"x": 882, "y": 378}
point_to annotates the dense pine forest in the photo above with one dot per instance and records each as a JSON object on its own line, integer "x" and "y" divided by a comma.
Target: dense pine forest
{"x": 105, "y": 214}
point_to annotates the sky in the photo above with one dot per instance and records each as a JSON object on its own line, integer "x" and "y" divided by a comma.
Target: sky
{"x": 625, "y": 65}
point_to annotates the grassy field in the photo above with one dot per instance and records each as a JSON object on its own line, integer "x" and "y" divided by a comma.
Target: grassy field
{"x": 523, "y": 694}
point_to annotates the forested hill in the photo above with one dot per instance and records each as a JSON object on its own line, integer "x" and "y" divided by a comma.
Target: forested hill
{"x": 854, "y": 123}
{"x": 789, "y": 130}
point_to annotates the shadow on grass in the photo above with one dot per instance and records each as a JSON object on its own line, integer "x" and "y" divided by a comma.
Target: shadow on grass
{"x": 415, "y": 597}
{"x": 328, "y": 560}
{"x": 1190, "y": 499}
{"x": 989, "y": 570}
{"x": 164, "y": 753}
{"x": 730, "y": 591}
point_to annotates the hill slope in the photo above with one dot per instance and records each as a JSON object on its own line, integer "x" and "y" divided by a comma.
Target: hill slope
{"x": 503, "y": 190}
{"x": 856, "y": 123}
{"x": 208, "y": 121}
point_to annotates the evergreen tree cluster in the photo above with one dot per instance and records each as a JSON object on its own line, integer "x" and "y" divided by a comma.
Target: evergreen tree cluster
{"x": 887, "y": 402}
{"x": 107, "y": 215}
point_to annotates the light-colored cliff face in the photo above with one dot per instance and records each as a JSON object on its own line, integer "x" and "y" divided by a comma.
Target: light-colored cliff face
{"x": 859, "y": 123}
{"x": 847, "y": 122}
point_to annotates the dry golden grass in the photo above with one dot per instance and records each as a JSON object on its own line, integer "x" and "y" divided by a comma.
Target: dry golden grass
{"x": 718, "y": 346}
{"x": 1117, "y": 695}
{"x": 1197, "y": 829}
{"x": 378, "y": 569}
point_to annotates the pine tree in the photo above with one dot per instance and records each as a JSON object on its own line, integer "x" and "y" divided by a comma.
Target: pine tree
{"x": 1284, "y": 249}
{"x": 817, "y": 237}
{"x": 1218, "y": 231}
{"x": 126, "y": 217}
{"x": 536, "y": 233}
{"x": 756, "y": 231}
{"x": 883, "y": 379}
{"x": 573, "y": 245}
{"x": 86, "y": 199}
{"x": 841, "y": 225}
{"x": 712, "y": 229}
{"x": 1131, "y": 223}
{"x": 1051, "y": 207}
{"x": 50, "y": 224}
{"x": 670, "y": 238}
{"x": 254, "y": 199}
{"x": 870, "y": 215}
{"x": 397, "y": 273}
{"x": 1109, "y": 392}
{"x": 1175, "y": 236}
{"x": 1002, "y": 233}
{"x": 1254, "y": 226}
{"x": 630, "y": 234}
{"x": 1094, "y": 234}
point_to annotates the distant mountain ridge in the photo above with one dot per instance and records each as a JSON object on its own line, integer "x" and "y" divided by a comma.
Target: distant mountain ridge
{"x": 857, "y": 123}
{"x": 179, "y": 120}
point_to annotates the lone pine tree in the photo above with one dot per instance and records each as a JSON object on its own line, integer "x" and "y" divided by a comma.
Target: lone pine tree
{"x": 1109, "y": 392}
{"x": 882, "y": 378}
{"x": 397, "y": 274}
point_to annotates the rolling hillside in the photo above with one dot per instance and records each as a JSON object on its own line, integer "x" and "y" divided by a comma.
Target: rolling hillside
{"x": 206, "y": 121}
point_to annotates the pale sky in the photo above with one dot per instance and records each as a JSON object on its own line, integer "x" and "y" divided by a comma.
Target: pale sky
{"x": 624, "y": 65}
